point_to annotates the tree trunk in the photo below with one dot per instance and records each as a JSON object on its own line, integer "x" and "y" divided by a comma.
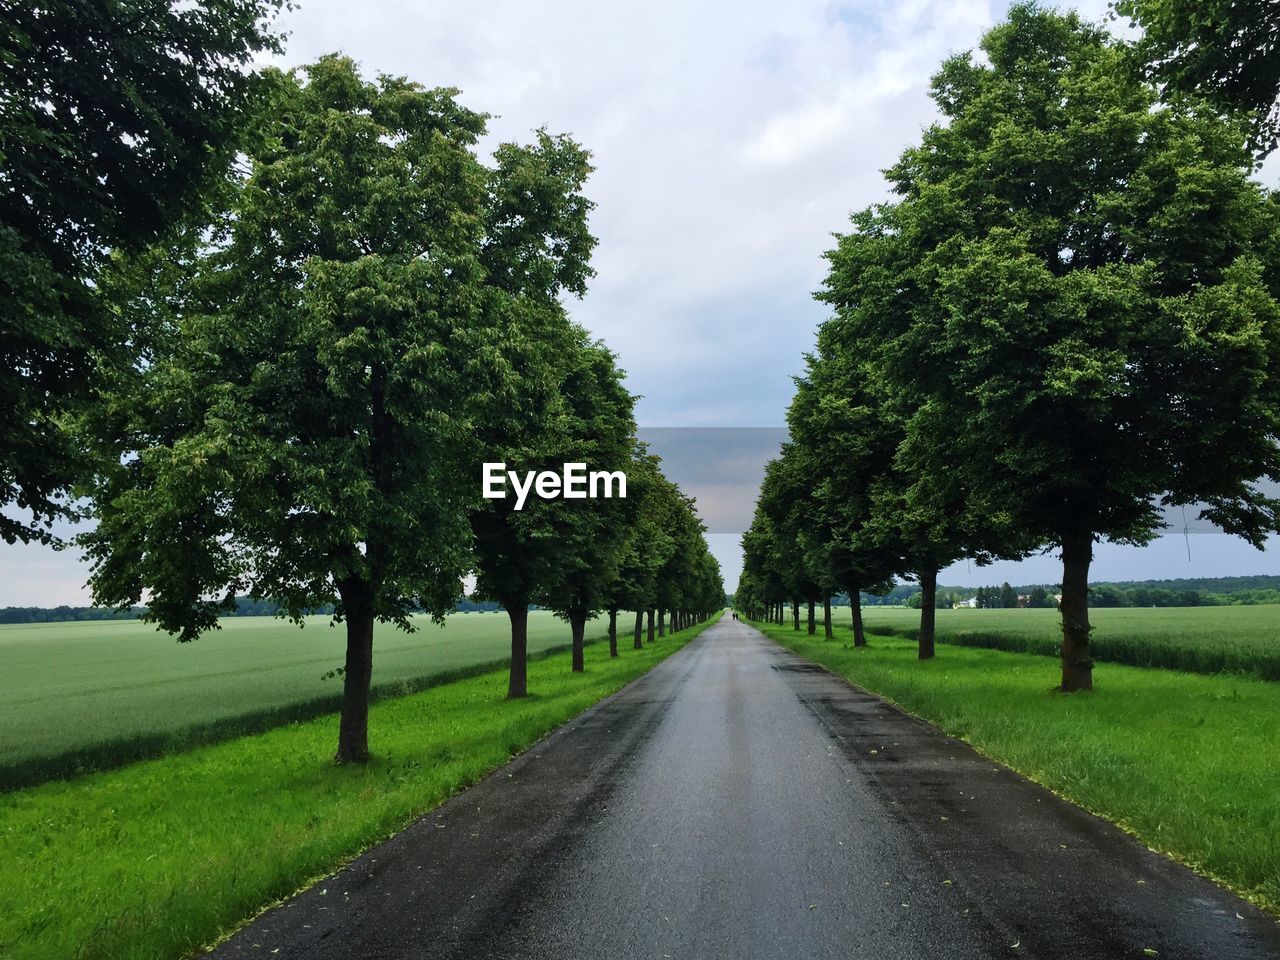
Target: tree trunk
{"x": 651, "y": 626}
{"x": 812, "y": 623}
{"x": 795, "y": 614}
{"x": 1077, "y": 668}
{"x": 638, "y": 641}
{"x": 662, "y": 623}
{"x": 353, "y": 726}
{"x": 928, "y": 610}
{"x": 518, "y": 681}
{"x": 613, "y": 631}
{"x": 826, "y": 617}
{"x": 577, "y": 630}
{"x": 855, "y": 608}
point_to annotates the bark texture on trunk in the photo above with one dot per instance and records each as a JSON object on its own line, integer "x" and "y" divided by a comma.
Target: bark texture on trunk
{"x": 1077, "y": 667}
{"x": 353, "y": 725}
{"x": 928, "y": 609}
{"x": 795, "y": 615}
{"x": 577, "y": 630}
{"x": 638, "y": 640}
{"x": 826, "y": 617}
{"x": 662, "y": 623}
{"x": 518, "y": 681}
{"x": 613, "y": 631}
{"x": 855, "y": 608}
{"x": 651, "y": 615}
{"x": 813, "y": 624}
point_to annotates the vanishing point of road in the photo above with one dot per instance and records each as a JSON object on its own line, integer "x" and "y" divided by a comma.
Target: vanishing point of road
{"x": 740, "y": 802}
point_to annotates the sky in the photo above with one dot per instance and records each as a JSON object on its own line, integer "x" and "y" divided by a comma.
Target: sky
{"x": 730, "y": 141}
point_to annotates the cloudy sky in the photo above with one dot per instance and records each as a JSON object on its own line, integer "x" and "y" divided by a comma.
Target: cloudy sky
{"x": 730, "y": 140}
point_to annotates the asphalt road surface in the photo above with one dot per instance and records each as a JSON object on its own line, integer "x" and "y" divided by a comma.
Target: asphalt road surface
{"x": 738, "y": 802}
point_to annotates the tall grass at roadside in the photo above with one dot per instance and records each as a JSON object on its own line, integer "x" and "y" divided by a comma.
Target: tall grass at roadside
{"x": 1243, "y": 639}
{"x": 156, "y": 859}
{"x": 1186, "y": 762}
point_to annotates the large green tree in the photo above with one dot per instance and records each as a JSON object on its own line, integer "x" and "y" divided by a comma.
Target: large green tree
{"x": 305, "y": 429}
{"x": 116, "y": 120}
{"x": 1088, "y": 292}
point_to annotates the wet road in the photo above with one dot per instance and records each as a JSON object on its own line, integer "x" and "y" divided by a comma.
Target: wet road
{"x": 738, "y": 802}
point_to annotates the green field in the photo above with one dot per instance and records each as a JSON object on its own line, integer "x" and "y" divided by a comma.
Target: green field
{"x": 154, "y": 860}
{"x": 99, "y": 694}
{"x": 1243, "y": 639}
{"x": 1188, "y": 763}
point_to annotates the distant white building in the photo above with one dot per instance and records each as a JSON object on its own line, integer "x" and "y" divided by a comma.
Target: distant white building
{"x": 970, "y": 604}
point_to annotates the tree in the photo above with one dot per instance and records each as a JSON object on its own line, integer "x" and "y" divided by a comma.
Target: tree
{"x": 678, "y": 578}
{"x": 116, "y": 120}
{"x": 1094, "y": 298}
{"x": 306, "y": 431}
{"x": 919, "y": 511}
{"x": 1008, "y": 597}
{"x": 540, "y": 250}
{"x": 1038, "y": 598}
{"x": 1227, "y": 51}
{"x": 847, "y": 449}
{"x": 591, "y": 533}
{"x": 787, "y": 500}
{"x": 652, "y": 544}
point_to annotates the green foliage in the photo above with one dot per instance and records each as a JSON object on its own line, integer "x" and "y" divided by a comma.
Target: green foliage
{"x": 118, "y": 119}
{"x": 145, "y": 853}
{"x": 1167, "y": 779}
{"x": 1226, "y": 51}
{"x": 1084, "y": 261}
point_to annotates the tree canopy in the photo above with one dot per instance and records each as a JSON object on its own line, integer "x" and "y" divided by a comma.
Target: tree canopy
{"x": 116, "y": 122}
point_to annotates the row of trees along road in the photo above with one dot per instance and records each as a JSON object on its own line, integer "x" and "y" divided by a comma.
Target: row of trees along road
{"x": 1064, "y": 320}
{"x": 302, "y": 313}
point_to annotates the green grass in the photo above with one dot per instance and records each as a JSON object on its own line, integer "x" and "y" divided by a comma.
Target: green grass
{"x": 1187, "y": 763}
{"x": 1244, "y": 639}
{"x": 159, "y": 858}
{"x": 77, "y": 696}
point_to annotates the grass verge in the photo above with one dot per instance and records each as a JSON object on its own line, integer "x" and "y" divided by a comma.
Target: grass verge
{"x": 157, "y": 859}
{"x": 1186, "y": 763}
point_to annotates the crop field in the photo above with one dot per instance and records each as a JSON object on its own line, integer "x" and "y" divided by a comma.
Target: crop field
{"x": 1243, "y": 639}
{"x": 98, "y": 694}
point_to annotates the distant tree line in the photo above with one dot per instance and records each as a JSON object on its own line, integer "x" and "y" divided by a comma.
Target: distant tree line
{"x": 1065, "y": 319}
{"x": 1184, "y": 592}
{"x": 63, "y": 614}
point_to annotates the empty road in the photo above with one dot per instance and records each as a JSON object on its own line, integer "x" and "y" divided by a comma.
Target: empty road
{"x": 738, "y": 802}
